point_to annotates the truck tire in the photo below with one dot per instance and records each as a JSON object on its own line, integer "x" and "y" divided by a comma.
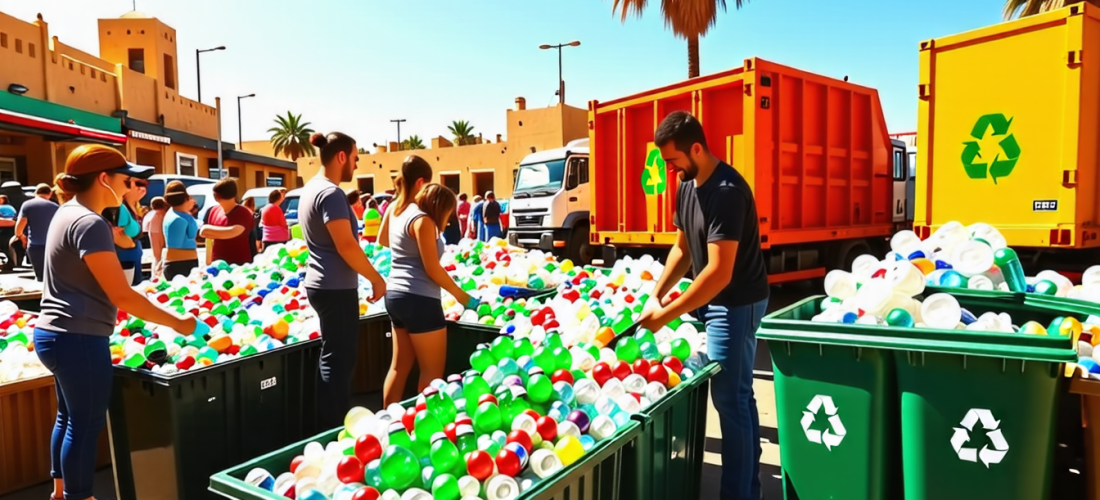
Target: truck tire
{"x": 579, "y": 250}
{"x": 847, "y": 252}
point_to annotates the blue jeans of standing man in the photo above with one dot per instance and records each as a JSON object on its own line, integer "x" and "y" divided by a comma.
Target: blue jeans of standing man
{"x": 731, "y": 341}
{"x": 81, "y": 366}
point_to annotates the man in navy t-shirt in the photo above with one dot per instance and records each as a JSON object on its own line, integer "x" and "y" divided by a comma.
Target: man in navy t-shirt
{"x": 718, "y": 238}
{"x": 33, "y": 224}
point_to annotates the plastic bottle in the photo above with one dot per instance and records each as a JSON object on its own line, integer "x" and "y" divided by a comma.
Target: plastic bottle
{"x": 502, "y": 487}
{"x": 1013, "y": 270}
{"x": 972, "y": 258}
{"x": 545, "y": 463}
{"x": 941, "y": 311}
{"x": 840, "y": 284}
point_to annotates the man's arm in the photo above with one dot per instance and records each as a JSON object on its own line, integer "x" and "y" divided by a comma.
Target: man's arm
{"x": 721, "y": 257}
{"x": 220, "y": 233}
{"x": 677, "y": 265}
{"x": 349, "y": 250}
{"x": 20, "y": 227}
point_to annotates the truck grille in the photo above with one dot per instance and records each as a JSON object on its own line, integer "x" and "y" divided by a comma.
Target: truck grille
{"x": 528, "y": 220}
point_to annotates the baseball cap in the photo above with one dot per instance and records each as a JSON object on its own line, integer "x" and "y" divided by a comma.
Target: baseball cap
{"x": 95, "y": 158}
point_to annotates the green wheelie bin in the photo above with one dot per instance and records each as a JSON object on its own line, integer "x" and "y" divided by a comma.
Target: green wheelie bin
{"x": 836, "y": 405}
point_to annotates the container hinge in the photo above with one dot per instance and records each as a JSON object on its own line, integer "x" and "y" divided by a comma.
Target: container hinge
{"x": 924, "y": 91}
{"x": 965, "y": 361}
{"x": 1023, "y": 365}
{"x": 821, "y": 349}
{"x": 1069, "y": 177}
{"x": 1004, "y": 365}
{"x": 1074, "y": 57}
{"x": 859, "y": 354}
{"x": 788, "y": 344}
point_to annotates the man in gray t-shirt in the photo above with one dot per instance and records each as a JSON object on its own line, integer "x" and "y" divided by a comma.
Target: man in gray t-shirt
{"x": 33, "y": 225}
{"x": 322, "y": 202}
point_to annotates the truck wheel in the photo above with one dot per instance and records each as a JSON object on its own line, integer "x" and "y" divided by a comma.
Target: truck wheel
{"x": 579, "y": 250}
{"x": 847, "y": 252}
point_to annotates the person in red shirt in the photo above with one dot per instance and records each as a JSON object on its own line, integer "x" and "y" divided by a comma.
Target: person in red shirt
{"x": 463, "y": 213}
{"x": 229, "y": 224}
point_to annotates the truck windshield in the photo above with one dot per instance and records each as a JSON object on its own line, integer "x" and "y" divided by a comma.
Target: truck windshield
{"x": 539, "y": 179}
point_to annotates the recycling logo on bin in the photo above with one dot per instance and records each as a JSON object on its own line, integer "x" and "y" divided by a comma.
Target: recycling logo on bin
{"x": 991, "y": 426}
{"x": 834, "y": 434}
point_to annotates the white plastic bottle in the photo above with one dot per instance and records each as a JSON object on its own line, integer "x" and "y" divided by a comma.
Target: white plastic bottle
{"x": 501, "y": 487}
{"x": 840, "y": 284}
{"x": 972, "y": 258}
{"x": 544, "y": 463}
{"x": 941, "y": 311}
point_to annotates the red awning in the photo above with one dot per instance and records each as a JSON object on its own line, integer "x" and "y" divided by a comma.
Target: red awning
{"x": 55, "y": 127}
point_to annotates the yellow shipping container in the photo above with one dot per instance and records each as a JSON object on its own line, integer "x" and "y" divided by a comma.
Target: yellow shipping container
{"x": 1008, "y": 129}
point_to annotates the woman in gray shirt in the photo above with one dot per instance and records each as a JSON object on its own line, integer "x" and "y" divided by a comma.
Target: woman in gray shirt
{"x": 411, "y": 228}
{"x": 84, "y": 288}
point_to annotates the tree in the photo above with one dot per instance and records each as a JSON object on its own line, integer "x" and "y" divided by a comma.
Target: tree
{"x": 290, "y": 136}
{"x": 689, "y": 19}
{"x": 1024, "y": 8}
{"x": 362, "y": 151}
{"x": 413, "y": 142}
{"x": 462, "y": 131}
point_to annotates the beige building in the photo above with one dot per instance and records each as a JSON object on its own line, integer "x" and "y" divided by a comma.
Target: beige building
{"x": 490, "y": 165}
{"x": 54, "y": 97}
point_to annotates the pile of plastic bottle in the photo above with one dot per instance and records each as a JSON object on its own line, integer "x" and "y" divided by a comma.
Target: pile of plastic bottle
{"x": 977, "y": 257}
{"x": 883, "y": 292}
{"x": 491, "y": 433}
{"x": 485, "y": 266}
{"x": 250, "y": 309}
{"x": 18, "y": 360}
{"x": 592, "y": 305}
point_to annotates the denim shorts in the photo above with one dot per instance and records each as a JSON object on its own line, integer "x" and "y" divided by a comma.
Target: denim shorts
{"x": 415, "y": 313}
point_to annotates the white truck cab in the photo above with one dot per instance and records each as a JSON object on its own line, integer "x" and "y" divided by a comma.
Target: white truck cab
{"x": 550, "y": 202}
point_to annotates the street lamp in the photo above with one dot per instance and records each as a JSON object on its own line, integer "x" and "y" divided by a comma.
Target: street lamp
{"x": 198, "y": 67}
{"x": 398, "y": 122}
{"x": 240, "y": 140}
{"x": 561, "y": 82}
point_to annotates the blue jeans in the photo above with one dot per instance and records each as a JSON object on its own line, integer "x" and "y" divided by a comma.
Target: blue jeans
{"x": 488, "y": 231}
{"x": 81, "y": 366}
{"x": 731, "y": 341}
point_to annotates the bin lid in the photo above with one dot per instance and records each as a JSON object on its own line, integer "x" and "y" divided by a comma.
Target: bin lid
{"x": 792, "y": 324}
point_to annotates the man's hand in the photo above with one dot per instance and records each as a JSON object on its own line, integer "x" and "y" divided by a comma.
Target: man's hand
{"x": 668, "y": 298}
{"x": 654, "y": 319}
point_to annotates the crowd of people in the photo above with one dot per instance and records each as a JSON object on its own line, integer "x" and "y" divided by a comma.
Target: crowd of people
{"x": 89, "y": 250}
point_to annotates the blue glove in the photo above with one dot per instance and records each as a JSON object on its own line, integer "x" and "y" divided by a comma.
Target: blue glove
{"x": 473, "y": 303}
{"x": 201, "y": 328}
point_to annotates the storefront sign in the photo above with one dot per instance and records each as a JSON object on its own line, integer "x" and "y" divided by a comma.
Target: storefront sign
{"x": 150, "y": 137}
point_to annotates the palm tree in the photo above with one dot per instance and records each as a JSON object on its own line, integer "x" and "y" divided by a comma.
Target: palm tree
{"x": 413, "y": 142}
{"x": 462, "y": 131}
{"x": 1024, "y": 8}
{"x": 689, "y": 19}
{"x": 291, "y": 137}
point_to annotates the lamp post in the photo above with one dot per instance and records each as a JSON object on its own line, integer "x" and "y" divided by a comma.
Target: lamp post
{"x": 398, "y": 122}
{"x": 561, "y": 82}
{"x": 240, "y": 140}
{"x": 198, "y": 66}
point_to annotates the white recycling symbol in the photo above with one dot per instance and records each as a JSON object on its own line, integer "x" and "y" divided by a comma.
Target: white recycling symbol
{"x": 988, "y": 455}
{"x": 830, "y": 437}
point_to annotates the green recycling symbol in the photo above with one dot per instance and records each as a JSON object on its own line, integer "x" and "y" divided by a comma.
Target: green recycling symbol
{"x": 1003, "y": 161}
{"x": 654, "y": 177}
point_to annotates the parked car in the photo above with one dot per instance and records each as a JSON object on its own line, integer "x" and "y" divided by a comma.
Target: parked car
{"x": 260, "y": 195}
{"x": 204, "y": 199}
{"x": 159, "y": 181}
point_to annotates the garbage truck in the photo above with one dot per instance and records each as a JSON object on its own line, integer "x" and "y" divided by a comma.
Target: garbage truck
{"x": 1023, "y": 157}
{"x": 829, "y": 181}
{"x": 550, "y": 202}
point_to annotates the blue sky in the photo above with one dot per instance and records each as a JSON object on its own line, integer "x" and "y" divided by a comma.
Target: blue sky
{"x": 352, "y": 65}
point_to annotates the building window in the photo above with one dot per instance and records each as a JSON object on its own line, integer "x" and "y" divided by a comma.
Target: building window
{"x": 169, "y": 72}
{"x": 30, "y": 49}
{"x": 137, "y": 60}
{"x": 4, "y": 40}
{"x": 212, "y": 169}
{"x": 276, "y": 180}
{"x": 451, "y": 181}
{"x": 365, "y": 185}
{"x": 185, "y": 164}
{"x": 235, "y": 172}
{"x": 7, "y": 169}
{"x": 18, "y": 46}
